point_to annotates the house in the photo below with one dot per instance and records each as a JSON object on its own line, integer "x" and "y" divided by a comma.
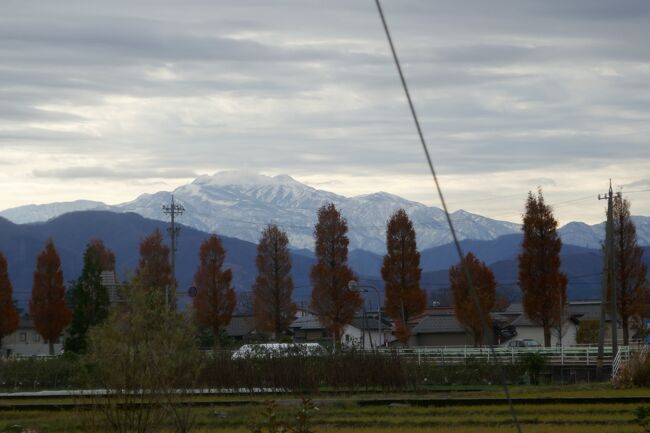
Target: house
{"x": 241, "y": 327}
{"x": 25, "y": 341}
{"x": 362, "y": 332}
{"x": 371, "y": 332}
{"x": 590, "y": 310}
{"x": 564, "y": 335}
{"x": 438, "y": 327}
{"x": 576, "y": 312}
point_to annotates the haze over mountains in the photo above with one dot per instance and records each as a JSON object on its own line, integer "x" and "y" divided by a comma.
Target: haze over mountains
{"x": 239, "y": 205}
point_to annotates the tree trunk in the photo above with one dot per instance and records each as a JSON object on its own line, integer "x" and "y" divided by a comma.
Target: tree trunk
{"x": 51, "y": 344}
{"x": 626, "y": 334}
{"x": 547, "y": 335}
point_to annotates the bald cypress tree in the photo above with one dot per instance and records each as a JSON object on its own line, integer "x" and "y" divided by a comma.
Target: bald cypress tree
{"x": 273, "y": 308}
{"x": 8, "y": 315}
{"x": 484, "y": 285}
{"x": 630, "y": 274}
{"x": 540, "y": 279}
{"x": 47, "y": 306}
{"x": 154, "y": 269}
{"x": 401, "y": 274}
{"x": 331, "y": 299}
{"x": 215, "y": 300}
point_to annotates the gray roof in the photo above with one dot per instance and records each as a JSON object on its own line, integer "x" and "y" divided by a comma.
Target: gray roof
{"x": 514, "y": 308}
{"x": 371, "y": 323}
{"x": 586, "y": 310}
{"x": 437, "y": 323}
{"x": 241, "y": 326}
{"x": 580, "y": 310}
{"x": 306, "y": 323}
{"x": 524, "y": 320}
{"x": 25, "y": 322}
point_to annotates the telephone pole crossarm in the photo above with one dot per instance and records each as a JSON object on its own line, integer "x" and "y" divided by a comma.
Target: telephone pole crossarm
{"x": 173, "y": 210}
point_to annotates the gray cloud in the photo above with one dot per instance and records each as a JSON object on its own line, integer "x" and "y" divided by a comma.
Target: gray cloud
{"x": 309, "y": 87}
{"x": 114, "y": 173}
{"x": 641, "y": 183}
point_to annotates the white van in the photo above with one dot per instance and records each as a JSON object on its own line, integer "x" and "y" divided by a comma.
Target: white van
{"x": 271, "y": 350}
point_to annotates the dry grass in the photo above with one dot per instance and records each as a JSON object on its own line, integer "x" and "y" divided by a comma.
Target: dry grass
{"x": 343, "y": 415}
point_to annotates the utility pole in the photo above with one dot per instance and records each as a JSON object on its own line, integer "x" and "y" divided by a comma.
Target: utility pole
{"x": 172, "y": 210}
{"x": 608, "y": 281}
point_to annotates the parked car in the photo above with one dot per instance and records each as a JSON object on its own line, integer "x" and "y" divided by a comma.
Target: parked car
{"x": 271, "y": 350}
{"x": 526, "y": 342}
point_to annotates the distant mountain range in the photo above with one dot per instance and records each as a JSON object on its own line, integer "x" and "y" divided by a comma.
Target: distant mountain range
{"x": 239, "y": 205}
{"x": 122, "y": 232}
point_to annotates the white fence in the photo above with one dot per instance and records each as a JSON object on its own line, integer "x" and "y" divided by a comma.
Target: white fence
{"x": 563, "y": 356}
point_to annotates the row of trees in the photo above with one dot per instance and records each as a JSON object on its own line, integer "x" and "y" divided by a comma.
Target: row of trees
{"x": 87, "y": 302}
{"x": 544, "y": 285}
{"x": 50, "y": 307}
{"x": 542, "y": 282}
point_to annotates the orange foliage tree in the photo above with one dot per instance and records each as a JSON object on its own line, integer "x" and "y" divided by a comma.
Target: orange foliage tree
{"x": 47, "y": 304}
{"x": 331, "y": 299}
{"x": 484, "y": 285}
{"x": 104, "y": 256}
{"x": 540, "y": 279}
{"x": 215, "y": 300}
{"x": 272, "y": 305}
{"x": 154, "y": 269}
{"x": 401, "y": 274}
{"x": 8, "y": 314}
{"x": 630, "y": 277}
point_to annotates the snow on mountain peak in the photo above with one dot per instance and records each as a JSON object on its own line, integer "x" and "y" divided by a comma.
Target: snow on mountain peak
{"x": 240, "y": 204}
{"x": 234, "y": 177}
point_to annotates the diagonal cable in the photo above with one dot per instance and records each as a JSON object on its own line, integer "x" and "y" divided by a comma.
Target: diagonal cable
{"x": 472, "y": 289}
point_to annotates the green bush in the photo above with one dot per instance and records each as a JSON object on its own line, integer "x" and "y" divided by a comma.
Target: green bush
{"x": 39, "y": 373}
{"x": 533, "y": 363}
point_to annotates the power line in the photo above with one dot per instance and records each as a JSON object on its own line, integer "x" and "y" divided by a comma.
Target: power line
{"x": 468, "y": 278}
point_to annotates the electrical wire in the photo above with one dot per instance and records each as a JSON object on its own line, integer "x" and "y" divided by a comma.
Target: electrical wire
{"x": 468, "y": 279}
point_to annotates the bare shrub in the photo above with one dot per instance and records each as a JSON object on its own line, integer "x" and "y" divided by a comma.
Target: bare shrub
{"x": 145, "y": 358}
{"x": 633, "y": 372}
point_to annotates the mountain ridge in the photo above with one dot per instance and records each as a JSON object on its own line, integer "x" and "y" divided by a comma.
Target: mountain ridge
{"x": 122, "y": 232}
{"x": 240, "y": 204}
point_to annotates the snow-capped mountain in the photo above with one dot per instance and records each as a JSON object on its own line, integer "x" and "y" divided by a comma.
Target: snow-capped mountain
{"x": 592, "y": 236}
{"x": 32, "y": 213}
{"x": 239, "y": 204}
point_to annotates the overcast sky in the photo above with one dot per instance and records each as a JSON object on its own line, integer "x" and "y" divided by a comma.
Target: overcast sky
{"x": 107, "y": 100}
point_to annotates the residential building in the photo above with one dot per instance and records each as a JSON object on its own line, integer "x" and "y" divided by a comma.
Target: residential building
{"x": 366, "y": 333}
{"x": 25, "y": 341}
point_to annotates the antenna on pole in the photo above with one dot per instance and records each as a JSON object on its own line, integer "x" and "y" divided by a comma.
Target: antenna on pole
{"x": 173, "y": 210}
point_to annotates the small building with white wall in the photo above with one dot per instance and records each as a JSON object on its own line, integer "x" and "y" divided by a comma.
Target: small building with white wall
{"x": 25, "y": 341}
